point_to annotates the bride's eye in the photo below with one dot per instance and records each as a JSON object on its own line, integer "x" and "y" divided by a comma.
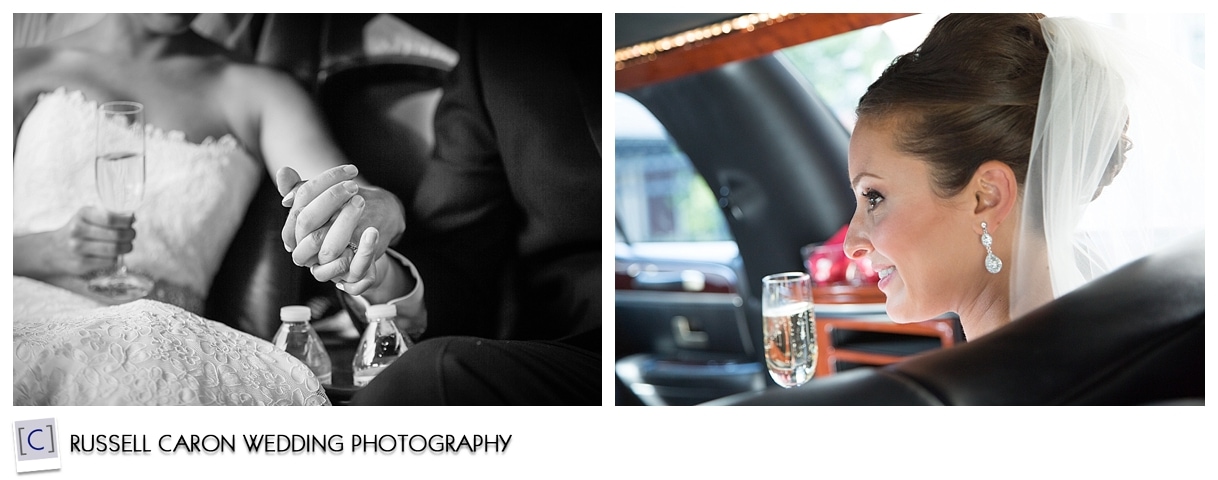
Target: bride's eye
{"x": 873, "y": 198}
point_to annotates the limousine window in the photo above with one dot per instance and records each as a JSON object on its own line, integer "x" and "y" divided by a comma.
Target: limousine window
{"x": 856, "y": 59}
{"x": 659, "y": 195}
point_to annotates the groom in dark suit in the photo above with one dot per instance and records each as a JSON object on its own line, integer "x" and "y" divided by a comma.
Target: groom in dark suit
{"x": 505, "y": 225}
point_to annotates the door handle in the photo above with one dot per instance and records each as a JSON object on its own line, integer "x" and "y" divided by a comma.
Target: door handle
{"x": 686, "y": 336}
{"x": 685, "y": 280}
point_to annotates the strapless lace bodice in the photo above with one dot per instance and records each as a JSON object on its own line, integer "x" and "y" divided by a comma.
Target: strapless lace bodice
{"x": 195, "y": 195}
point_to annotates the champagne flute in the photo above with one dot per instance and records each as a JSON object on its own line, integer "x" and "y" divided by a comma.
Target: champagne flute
{"x": 790, "y": 346}
{"x": 120, "y": 186}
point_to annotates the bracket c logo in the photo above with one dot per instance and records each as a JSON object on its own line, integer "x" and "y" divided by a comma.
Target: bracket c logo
{"x": 37, "y": 445}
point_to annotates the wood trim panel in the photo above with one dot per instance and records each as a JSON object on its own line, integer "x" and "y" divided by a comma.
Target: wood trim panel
{"x": 740, "y": 45}
{"x": 848, "y": 294}
{"x": 828, "y": 355}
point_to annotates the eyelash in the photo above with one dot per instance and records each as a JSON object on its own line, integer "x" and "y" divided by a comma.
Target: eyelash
{"x": 873, "y": 198}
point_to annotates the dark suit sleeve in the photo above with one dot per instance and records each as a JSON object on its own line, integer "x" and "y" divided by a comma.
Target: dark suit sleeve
{"x": 510, "y": 204}
{"x": 508, "y": 218}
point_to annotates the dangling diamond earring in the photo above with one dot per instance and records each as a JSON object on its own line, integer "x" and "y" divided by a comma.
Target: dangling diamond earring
{"x": 993, "y": 264}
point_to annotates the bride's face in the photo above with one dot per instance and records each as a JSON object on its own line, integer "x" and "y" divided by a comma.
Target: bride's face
{"x": 920, "y": 243}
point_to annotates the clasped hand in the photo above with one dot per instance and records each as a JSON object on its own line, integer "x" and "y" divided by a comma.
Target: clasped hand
{"x": 330, "y": 212}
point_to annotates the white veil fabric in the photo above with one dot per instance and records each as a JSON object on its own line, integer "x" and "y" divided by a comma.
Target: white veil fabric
{"x": 1099, "y": 84}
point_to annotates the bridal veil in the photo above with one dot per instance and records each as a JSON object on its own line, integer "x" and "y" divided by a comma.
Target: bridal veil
{"x": 1117, "y": 164}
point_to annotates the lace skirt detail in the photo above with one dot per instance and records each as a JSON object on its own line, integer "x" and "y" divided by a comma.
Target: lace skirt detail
{"x": 67, "y": 351}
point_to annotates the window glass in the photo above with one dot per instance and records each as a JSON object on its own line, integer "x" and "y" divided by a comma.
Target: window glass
{"x": 659, "y": 195}
{"x": 841, "y": 67}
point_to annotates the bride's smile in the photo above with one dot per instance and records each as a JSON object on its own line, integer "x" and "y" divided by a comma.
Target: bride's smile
{"x": 884, "y": 273}
{"x": 922, "y": 236}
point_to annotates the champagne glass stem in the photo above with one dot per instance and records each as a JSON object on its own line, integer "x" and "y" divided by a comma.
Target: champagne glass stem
{"x": 119, "y": 167}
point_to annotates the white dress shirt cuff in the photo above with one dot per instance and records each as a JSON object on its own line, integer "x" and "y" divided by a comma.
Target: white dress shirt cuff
{"x": 412, "y": 313}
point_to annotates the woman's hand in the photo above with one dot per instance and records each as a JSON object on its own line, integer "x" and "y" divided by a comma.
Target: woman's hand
{"x": 327, "y": 212}
{"x": 90, "y": 241}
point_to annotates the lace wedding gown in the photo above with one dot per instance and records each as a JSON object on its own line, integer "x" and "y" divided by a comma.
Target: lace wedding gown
{"x": 70, "y": 349}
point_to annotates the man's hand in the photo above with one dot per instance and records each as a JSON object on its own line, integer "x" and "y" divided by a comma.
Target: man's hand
{"x": 326, "y": 214}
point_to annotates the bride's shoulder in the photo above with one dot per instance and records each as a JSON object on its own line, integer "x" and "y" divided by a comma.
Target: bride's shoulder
{"x": 28, "y": 60}
{"x": 41, "y": 69}
{"x": 51, "y": 65}
{"x": 252, "y": 94}
{"x": 257, "y": 83}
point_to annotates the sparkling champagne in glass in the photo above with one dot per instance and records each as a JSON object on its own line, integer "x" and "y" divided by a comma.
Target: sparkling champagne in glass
{"x": 119, "y": 166}
{"x": 790, "y": 344}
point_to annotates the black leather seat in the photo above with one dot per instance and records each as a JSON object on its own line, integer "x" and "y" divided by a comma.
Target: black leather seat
{"x": 257, "y": 275}
{"x": 1133, "y": 337}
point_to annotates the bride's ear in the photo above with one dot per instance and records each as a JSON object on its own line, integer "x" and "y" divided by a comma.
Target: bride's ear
{"x": 995, "y": 190}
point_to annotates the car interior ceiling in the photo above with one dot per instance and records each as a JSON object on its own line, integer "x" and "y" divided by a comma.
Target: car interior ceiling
{"x": 632, "y": 28}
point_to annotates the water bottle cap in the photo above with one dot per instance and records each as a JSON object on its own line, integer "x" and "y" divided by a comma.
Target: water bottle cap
{"x": 382, "y": 311}
{"x": 295, "y": 313}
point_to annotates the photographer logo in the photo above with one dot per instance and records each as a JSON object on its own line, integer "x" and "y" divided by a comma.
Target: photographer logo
{"x": 37, "y": 445}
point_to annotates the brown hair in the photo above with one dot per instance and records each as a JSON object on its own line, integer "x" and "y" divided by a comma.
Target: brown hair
{"x": 967, "y": 95}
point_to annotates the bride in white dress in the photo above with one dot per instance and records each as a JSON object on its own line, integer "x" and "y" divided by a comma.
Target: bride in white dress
{"x": 214, "y": 123}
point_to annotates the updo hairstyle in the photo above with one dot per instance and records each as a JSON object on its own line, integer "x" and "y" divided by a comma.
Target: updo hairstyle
{"x": 967, "y": 95}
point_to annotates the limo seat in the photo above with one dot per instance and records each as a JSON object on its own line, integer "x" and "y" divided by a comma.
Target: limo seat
{"x": 1133, "y": 337}
{"x": 257, "y": 276}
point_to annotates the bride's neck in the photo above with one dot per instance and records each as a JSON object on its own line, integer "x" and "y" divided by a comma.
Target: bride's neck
{"x": 120, "y": 35}
{"x": 990, "y": 311}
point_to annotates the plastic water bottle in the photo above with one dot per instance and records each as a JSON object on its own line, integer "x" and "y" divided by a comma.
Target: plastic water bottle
{"x": 299, "y": 339}
{"x": 381, "y": 344}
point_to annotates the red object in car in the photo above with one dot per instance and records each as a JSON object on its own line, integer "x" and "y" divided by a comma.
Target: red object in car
{"x": 828, "y": 264}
